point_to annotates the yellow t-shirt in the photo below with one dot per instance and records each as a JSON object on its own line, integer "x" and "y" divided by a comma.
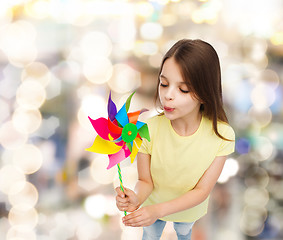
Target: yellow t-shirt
{"x": 178, "y": 162}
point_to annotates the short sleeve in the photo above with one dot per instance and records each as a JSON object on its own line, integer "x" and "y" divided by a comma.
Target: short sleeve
{"x": 227, "y": 147}
{"x": 145, "y": 147}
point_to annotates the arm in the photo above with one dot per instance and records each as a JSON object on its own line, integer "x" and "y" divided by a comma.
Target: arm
{"x": 144, "y": 185}
{"x": 148, "y": 215}
{"x": 200, "y": 192}
{"x": 130, "y": 200}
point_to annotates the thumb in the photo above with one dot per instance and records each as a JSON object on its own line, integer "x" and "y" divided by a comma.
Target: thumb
{"x": 119, "y": 192}
{"x": 129, "y": 192}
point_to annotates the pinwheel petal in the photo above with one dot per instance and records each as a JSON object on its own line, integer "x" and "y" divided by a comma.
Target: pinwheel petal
{"x": 135, "y": 149}
{"x": 144, "y": 133}
{"x": 119, "y": 141}
{"x": 100, "y": 125}
{"x": 112, "y": 110}
{"x": 128, "y": 101}
{"x": 122, "y": 116}
{"x": 102, "y": 146}
{"x": 129, "y": 145}
{"x": 113, "y": 127}
{"x": 133, "y": 117}
{"x": 119, "y": 156}
{"x": 144, "y": 110}
{"x": 139, "y": 124}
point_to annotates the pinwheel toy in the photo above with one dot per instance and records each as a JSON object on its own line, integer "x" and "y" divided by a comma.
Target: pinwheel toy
{"x": 119, "y": 136}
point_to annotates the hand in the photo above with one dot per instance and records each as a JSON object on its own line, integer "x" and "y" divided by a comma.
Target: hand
{"x": 126, "y": 201}
{"x": 143, "y": 217}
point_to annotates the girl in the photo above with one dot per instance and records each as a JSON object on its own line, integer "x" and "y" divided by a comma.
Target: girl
{"x": 190, "y": 140}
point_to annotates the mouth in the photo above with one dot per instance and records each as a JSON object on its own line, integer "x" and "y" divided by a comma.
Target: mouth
{"x": 168, "y": 109}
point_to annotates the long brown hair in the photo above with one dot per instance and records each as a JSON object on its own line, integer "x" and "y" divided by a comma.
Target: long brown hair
{"x": 200, "y": 68}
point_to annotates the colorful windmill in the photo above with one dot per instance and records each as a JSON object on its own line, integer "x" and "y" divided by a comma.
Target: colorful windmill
{"x": 119, "y": 136}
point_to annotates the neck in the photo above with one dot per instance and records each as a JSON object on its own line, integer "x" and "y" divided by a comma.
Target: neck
{"x": 187, "y": 126}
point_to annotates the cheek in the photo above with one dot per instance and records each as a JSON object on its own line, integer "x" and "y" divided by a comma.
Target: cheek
{"x": 185, "y": 98}
{"x": 187, "y": 101}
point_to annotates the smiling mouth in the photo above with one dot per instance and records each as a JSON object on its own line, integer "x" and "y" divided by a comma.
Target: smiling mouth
{"x": 168, "y": 109}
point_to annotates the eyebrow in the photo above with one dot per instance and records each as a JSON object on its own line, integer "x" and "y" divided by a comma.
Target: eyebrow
{"x": 162, "y": 76}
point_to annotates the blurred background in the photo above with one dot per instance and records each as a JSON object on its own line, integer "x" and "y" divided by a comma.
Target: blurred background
{"x": 59, "y": 59}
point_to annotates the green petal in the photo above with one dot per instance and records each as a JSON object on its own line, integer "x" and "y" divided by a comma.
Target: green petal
{"x": 128, "y": 102}
{"x": 129, "y": 145}
{"x": 144, "y": 133}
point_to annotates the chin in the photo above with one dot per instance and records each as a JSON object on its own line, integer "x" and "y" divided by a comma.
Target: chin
{"x": 170, "y": 116}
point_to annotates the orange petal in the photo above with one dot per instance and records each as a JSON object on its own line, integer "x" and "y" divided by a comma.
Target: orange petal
{"x": 133, "y": 117}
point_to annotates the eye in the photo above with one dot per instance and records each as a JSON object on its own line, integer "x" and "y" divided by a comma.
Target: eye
{"x": 163, "y": 85}
{"x": 184, "y": 91}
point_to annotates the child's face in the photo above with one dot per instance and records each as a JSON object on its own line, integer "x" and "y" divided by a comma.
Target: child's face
{"x": 176, "y": 99}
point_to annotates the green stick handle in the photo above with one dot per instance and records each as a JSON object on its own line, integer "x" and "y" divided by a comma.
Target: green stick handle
{"x": 121, "y": 182}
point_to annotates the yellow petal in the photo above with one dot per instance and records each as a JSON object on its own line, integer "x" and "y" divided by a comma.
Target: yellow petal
{"x": 102, "y": 146}
{"x": 136, "y": 147}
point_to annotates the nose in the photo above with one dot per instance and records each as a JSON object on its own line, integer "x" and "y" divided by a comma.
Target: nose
{"x": 169, "y": 95}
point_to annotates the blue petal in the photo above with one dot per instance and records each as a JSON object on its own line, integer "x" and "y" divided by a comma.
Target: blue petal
{"x": 139, "y": 124}
{"x": 122, "y": 116}
{"x": 118, "y": 139}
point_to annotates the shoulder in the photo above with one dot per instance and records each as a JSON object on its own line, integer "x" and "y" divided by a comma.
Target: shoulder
{"x": 223, "y": 128}
{"x": 155, "y": 123}
{"x": 226, "y": 130}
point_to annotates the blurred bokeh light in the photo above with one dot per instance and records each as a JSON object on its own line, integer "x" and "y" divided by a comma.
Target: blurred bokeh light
{"x": 60, "y": 59}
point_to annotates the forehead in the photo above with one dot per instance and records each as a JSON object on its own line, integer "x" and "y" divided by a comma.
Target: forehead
{"x": 171, "y": 71}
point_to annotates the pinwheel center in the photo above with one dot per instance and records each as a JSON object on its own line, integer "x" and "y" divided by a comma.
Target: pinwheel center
{"x": 129, "y": 132}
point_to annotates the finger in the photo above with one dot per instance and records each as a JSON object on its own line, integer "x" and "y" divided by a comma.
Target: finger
{"x": 132, "y": 216}
{"x": 140, "y": 221}
{"x": 139, "y": 224}
{"x": 135, "y": 222}
{"x": 123, "y": 205}
{"x": 119, "y": 192}
{"x": 121, "y": 199}
{"x": 123, "y": 208}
